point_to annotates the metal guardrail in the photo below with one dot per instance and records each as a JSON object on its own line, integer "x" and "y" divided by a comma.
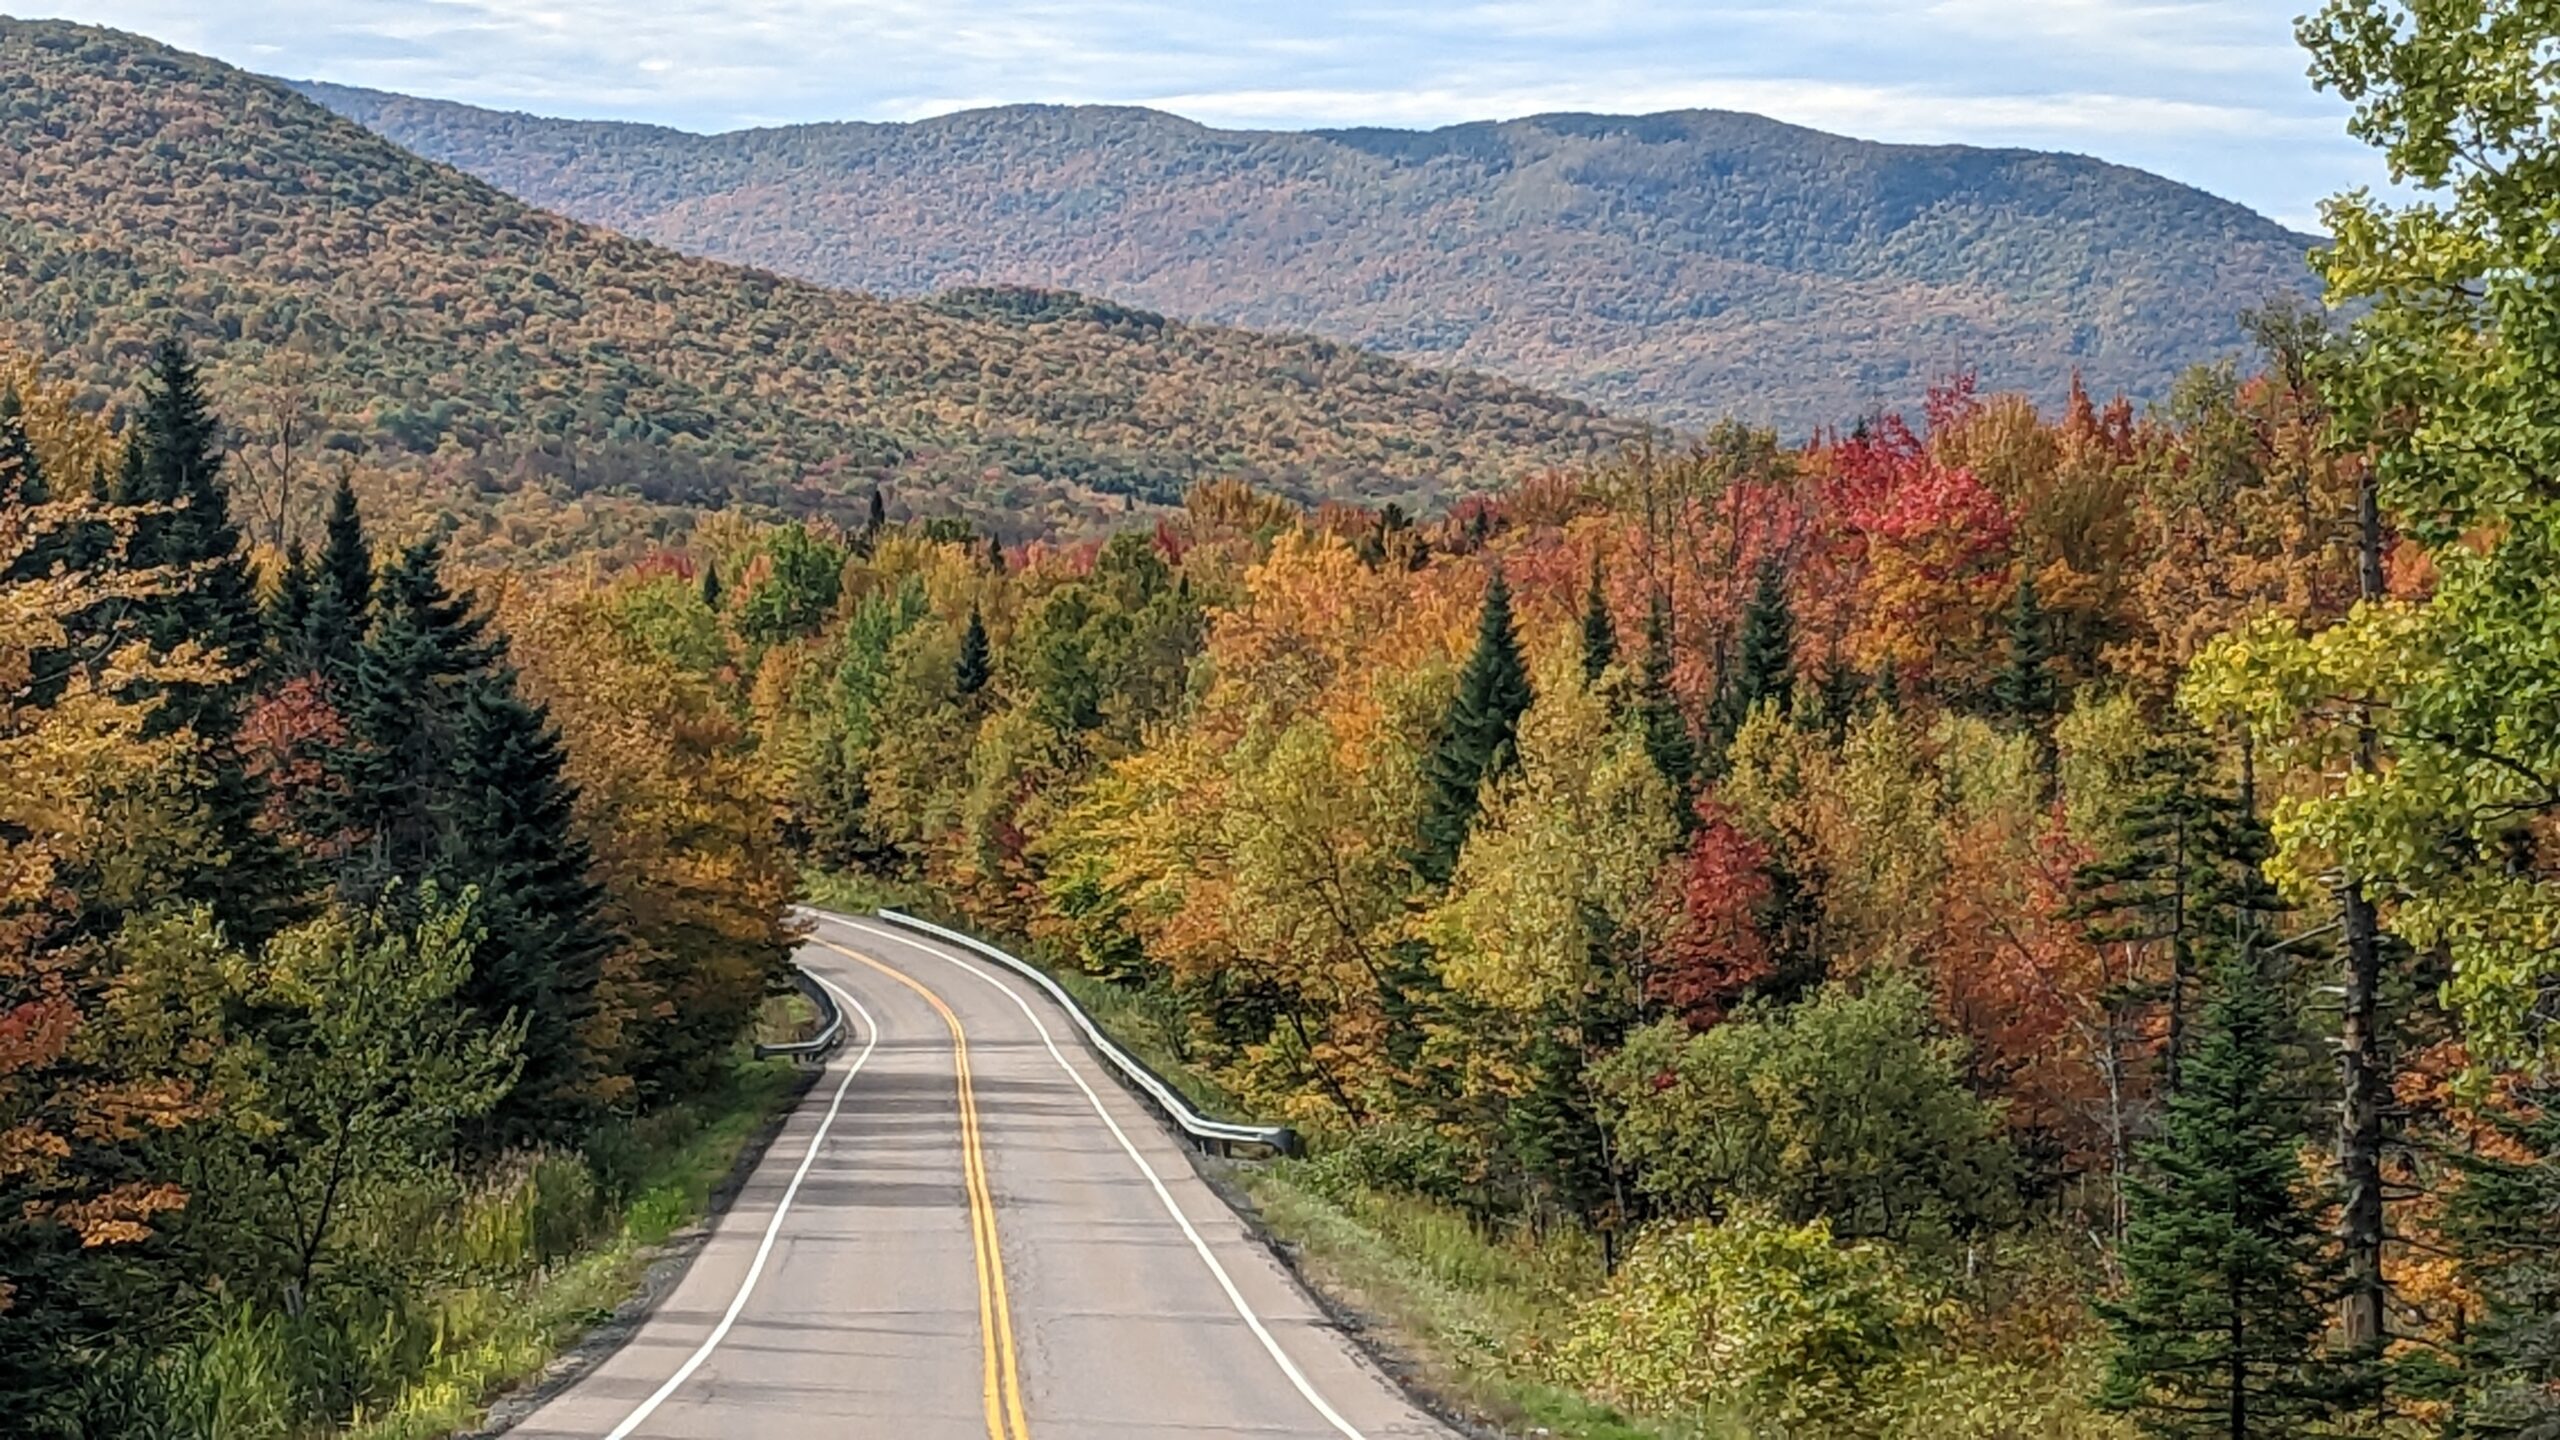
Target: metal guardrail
{"x": 830, "y": 1034}
{"x": 1215, "y": 1136}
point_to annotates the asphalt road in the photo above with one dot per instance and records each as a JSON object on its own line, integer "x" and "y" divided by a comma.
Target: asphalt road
{"x": 969, "y": 1231}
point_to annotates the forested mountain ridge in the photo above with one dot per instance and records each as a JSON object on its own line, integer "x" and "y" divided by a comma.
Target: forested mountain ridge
{"x": 1688, "y": 265}
{"x": 421, "y": 315}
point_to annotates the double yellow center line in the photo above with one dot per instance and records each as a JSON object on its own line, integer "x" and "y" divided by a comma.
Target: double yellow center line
{"x": 1001, "y": 1370}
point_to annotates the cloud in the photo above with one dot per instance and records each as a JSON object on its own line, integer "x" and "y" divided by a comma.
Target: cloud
{"x": 2208, "y": 91}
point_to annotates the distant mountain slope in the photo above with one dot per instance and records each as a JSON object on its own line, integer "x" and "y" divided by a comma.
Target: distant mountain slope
{"x": 1685, "y": 265}
{"x": 430, "y": 316}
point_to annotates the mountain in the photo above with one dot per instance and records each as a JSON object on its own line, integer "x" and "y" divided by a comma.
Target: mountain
{"x": 1685, "y": 266}
{"x": 431, "y": 320}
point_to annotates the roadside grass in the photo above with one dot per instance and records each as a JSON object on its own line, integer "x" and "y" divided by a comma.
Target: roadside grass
{"x": 1478, "y": 1316}
{"x": 500, "y": 1330}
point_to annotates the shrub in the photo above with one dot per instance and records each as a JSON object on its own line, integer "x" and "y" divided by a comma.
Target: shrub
{"x": 1753, "y": 1317}
{"x": 1851, "y": 1107}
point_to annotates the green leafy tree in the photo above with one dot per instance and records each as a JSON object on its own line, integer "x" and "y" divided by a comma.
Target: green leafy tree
{"x": 802, "y": 576}
{"x": 2227, "y": 1274}
{"x": 1477, "y": 736}
{"x": 1850, "y": 1106}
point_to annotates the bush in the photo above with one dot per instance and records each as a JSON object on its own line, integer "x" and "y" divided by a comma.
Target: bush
{"x": 1850, "y": 1107}
{"x": 1401, "y": 1156}
{"x": 1757, "y": 1319}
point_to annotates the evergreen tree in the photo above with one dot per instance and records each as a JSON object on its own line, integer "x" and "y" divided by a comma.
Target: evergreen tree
{"x": 2181, "y": 869}
{"x": 879, "y": 517}
{"x": 995, "y": 555}
{"x": 711, "y": 588}
{"x": 1599, "y": 632}
{"x": 2504, "y": 1222}
{"x": 1476, "y": 736}
{"x": 507, "y": 829}
{"x": 289, "y": 610}
{"x": 2026, "y": 692}
{"x": 173, "y": 469}
{"x": 22, "y": 483}
{"x": 2227, "y": 1272}
{"x": 1765, "y": 670}
{"x": 976, "y": 665}
{"x": 404, "y": 696}
{"x": 450, "y": 776}
{"x": 1666, "y": 728}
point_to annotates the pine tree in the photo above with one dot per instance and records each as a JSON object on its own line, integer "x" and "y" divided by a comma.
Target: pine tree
{"x": 2026, "y": 692}
{"x": 2227, "y": 1272}
{"x": 1765, "y": 670}
{"x": 402, "y": 705}
{"x": 508, "y": 831}
{"x": 2181, "y": 869}
{"x": 22, "y": 483}
{"x": 976, "y": 665}
{"x": 2504, "y": 1224}
{"x": 1476, "y": 736}
{"x": 1599, "y": 632}
{"x": 711, "y": 588}
{"x": 173, "y": 470}
{"x": 451, "y": 777}
{"x": 346, "y": 555}
{"x": 289, "y": 610}
{"x": 1666, "y": 727}
{"x": 879, "y": 517}
{"x": 995, "y": 555}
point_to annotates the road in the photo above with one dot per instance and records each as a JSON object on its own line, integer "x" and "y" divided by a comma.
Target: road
{"x": 968, "y": 1231}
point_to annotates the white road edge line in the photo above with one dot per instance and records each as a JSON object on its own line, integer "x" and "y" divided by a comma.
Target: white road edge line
{"x": 1235, "y": 1297}
{"x": 772, "y": 1230}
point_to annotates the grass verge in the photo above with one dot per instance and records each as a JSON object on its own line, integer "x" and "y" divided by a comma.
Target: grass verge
{"x": 499, "y": 1331}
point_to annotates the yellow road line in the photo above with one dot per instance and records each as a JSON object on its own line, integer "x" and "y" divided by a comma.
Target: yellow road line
{"x": 1000, "y": 1368}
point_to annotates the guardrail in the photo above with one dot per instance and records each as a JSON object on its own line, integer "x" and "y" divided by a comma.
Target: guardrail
{"x": 1218, "y": 1137}
{"x": 830, "y": 1033}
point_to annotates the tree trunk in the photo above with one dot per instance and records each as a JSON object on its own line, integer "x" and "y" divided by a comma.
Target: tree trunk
{"x": 2362, "y": 1084}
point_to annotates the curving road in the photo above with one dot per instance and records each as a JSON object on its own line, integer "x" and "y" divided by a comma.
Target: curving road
{"x": 968, "y": 1231}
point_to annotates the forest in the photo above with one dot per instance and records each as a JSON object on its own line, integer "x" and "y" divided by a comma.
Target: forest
{"x": 1988, "y": 922}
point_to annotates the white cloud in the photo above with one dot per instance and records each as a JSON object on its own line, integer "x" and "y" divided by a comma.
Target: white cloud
{"x": 2209, "y": 91}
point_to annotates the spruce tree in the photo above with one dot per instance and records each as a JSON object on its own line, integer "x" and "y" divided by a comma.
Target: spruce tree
{"x": 879, "y": 517}
{"x": 173, "y": 470}
{"x": 346, "y": 556}
{"x": 403, "y": 698}
{"x": 2026, "y": 692}
{"x": 1667, "y": 739}
{"x": 450, "y": 777}
{"x": 2227, "y": 1272}
{"x": 711, "y": 588}
{"x": 508, "y": 831}
{"x": 2504, "y": 1224}
{"x": 976, "y": 664}
{"x": 995, "y": 555}
{"x": 289, "y": 610}
{"x": 1476, "y": 736}
{"x": 22, "y": 483}
{"x": 2180, "y": 870}
{"x": 1764, "y": 672}
{"x": 1599, "y": 632}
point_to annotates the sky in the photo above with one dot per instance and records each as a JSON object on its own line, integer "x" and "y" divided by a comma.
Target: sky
{"x": 2211, "y": 92}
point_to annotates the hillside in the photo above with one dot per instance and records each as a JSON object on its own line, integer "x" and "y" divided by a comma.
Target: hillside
{"x": 1684, "y": 265}
{"x": 432, "y": 320}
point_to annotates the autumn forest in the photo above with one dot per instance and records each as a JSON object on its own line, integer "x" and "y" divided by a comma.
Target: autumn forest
{"x": 1980, "y": 922}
